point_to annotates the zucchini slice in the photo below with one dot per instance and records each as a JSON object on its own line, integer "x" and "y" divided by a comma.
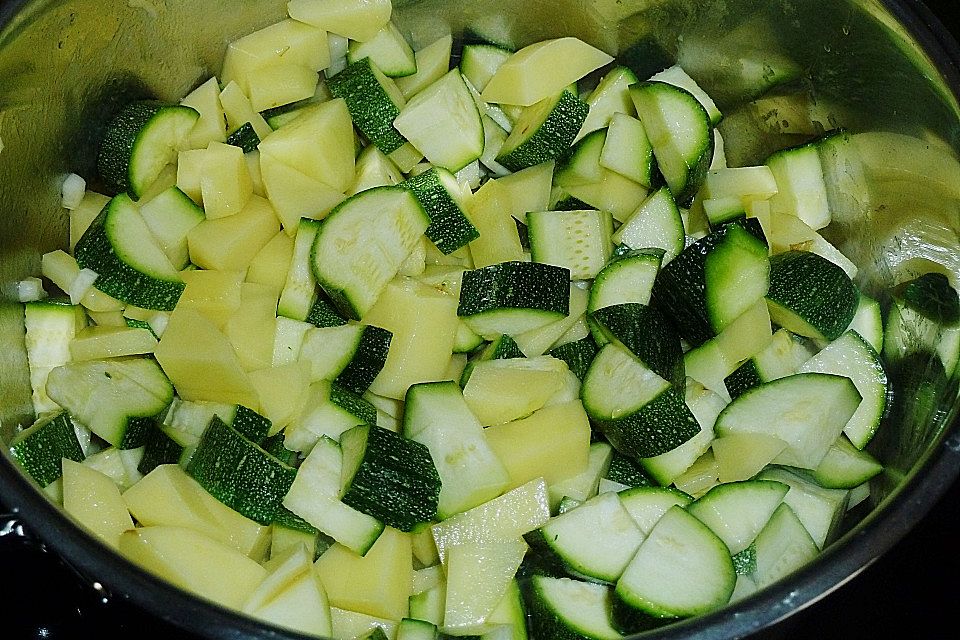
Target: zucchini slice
{"x": 374, "y": 102}
{"x": 362, "y": 244}
{"x": 139, "y": 143}
{"x": 811, "y": 296}
{"x": 130, "y": 264}
{"x": 576, "y": 240}
{"x": 439, "y": 193}
{"x": 389, "y": 477}
{"x": 544, "y": 131}
{"x": 681, "y": 133}
{"x": 566, "y": 609}
{"x": 41, "y": 447}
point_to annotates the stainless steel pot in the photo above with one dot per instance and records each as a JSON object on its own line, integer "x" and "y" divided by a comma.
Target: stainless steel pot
{"x": 65, "y": 65}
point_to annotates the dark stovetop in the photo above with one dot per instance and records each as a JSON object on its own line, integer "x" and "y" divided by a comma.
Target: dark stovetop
{"x": 914, "y": 584}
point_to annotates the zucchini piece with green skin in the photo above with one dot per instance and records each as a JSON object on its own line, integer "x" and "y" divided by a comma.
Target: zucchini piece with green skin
{"x": 436, "y": 415}
{"x": 439, "y": 194}
{"x": 388, "y": 49}
{"x": 611, "y": 96}
{"x": 578, "y": 355}
{"x": 414, "y": 629}
{"x": 129, "y": 263}
{"x": 159, "y": 448}
{"x": 140, "y": 141}
{"x": 514, "y": 297}
{"x": 596, "y": 540}
{"x": 640, "y": 413}
{"x": 374, "y": 102}
{"x": 682, "y": 569}
{"x": 245, "y": 137}
{"x": 738, "y": 511}
{"x": 681, "y": 133}
{"x": 714, "y": 281}
{"x": 41, "y": 447}
{"x": 647, "y": 335}
{"x": 117, "y": 399}
{"x": 315, "y": 497}
{"x": 646, "y": 504}
{"x": 783, "y": 546}
{"x": 627, "y": 278}
{"x": 802, "y": 190}
{"x": 656, "y": 224}
{"x": 367, "y": 361}
{"x": 479, "y": 61}
{"x": 322, "y": 314}
{"x": 328, "y": 412}
{"x": 845, "y": 466}
{"x": 577, "y": 240}
{"x": 567, "y": 609}
{"x": 544, "y": 131}
{"x": 443, "y": 123}
{"x": 389, "y": 477}
{"x": 50, "y": 326}
{"x": 171, "y": 215}
{"x": 299, "y": 292}
{"x": 784, "y": 355}
{"x": 627, "y": 471}
{"x": 852, "y": 356}
{"x": 808, "y": 411}
{"x": 811, "y": 296}
{"x": 240, "y": 473}
{"x": 628, "y": 151}
{"x": 362, "y": 243}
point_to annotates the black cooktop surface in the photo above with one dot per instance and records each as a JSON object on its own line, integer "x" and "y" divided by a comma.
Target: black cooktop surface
{"x": 911, "y": 587}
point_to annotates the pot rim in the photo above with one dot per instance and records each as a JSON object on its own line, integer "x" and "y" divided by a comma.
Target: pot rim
{"x": 885, "y": 526}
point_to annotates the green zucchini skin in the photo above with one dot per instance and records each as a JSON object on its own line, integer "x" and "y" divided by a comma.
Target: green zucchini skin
{"x": 932, "y": 296}
{"x": 245, "y": 137}
{"x": 367, "y": 361}
{"x": 648, "y": 335}
{"x": 817, "y": 291}
{"x": 395, "y": 480}
{"x": 322, "y": 314}
{"x": 578, "y": 355}
{"x": 240, "y": 473}
{"x": 663, "y": 424}
{"x": 550, "y": 138}
{"x": 40, "y": 448}
{"x": 95, "y": 251}
{"x": 116, "y": 147}
{"x": 515, "y": 285}
{"x": 159, "y": 448}
{"x": 449, "y": 228}
{"x": 369, "y": 104}
{"x": 680, "y": 288}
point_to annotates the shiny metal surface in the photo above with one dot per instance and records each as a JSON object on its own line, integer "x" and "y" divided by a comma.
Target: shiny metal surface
{"x": 66, "y": 64}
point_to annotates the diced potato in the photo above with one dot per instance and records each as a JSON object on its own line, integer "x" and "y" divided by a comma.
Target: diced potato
{"x": 213, "y": 294}
{"x": 225, "y": 183}
{"x": 292, "y": 595}
{"x": 423, "y": 321}
{"x": 499, "y": 241}
{"x": 202, "y": 363}
{"x": 231, "y": 243}
{"x": 551, "y": 444}
{"x": 377, "y": 584}
{"x": 94, "y": 500}
{"x": 280, "y": 83}
{"x": 194, "y": 562}
{"x": 283, "y": 391}
{"x": 167, "y": 496}
{"x": 294, "y": 194}
{"x": 272, "y": 262}
{"x": 289, "y": 41}
{"x": 251, "y": 328}
{"x": 318, "y": 143}
{"x": 189, "y": 169}
{"x": 238, "y": 111}
{"x": 211, "y": 126}
{"x": 355, "y": 19}
{"x": 502, "y": 390}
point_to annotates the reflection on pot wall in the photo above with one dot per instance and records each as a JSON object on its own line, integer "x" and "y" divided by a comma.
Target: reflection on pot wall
{"x": 782, "y": 72}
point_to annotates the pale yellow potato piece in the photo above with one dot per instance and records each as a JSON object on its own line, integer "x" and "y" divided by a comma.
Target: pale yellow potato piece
{"x": 294, "y": 194}
{"x": 551, "y": 444}
{"x": 319, "y": 143}
{"x": 272, "y": 262}
{"x": 489, "y": 210}
{"x": 502, "y": 390}
{"x": 211, "y": 126}
{"x": 283, "y": 392}
{"x": 231, "y": 243}
{"x": 201, "y": 362}
{"x": 94, "y": 500}
{"x": 355, "y": 19}
{"x": 424, "y": 324}
{"x": 194, "y": 562}
{"x": 212, "y": 293}
{"x": 541, "y": 70}
{"x": 167, "y": 496}
{"x": 378, "y": 583}
{"x": 477, "y": 579}
{"x": 225, "y": 183}
{"x": 288, "y": 41}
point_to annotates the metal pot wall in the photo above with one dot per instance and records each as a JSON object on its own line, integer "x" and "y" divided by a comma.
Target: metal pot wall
{"x": 65, "y": 65}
